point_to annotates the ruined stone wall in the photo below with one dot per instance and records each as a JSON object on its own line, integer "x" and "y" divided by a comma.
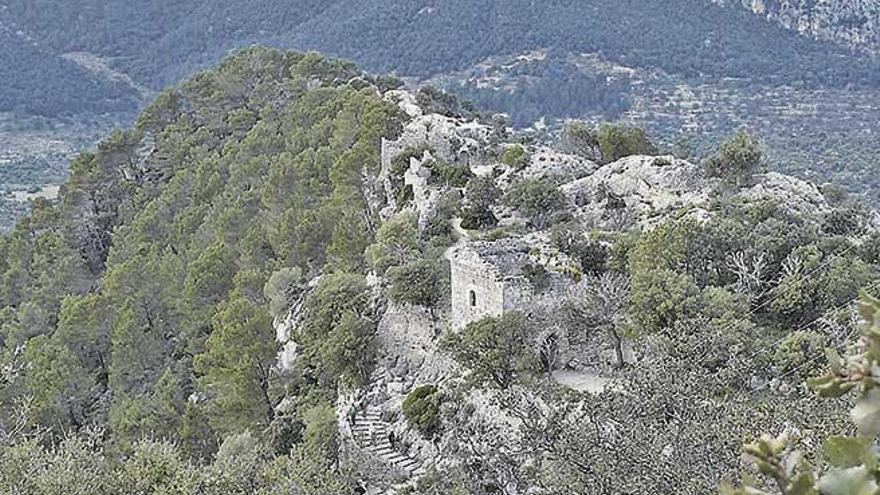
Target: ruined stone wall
{"x": 409, "y": 331}
{"x": 417, "y": 177}
{"x": 517, "y": 294}
{"x": 476, "y": 290}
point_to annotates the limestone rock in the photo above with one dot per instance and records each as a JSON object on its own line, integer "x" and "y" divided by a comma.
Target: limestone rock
{"x": 287, "y": 357}
{"x": 406, "y": 101}
{"x": 795, "y": 194}
{"x": 559, "y": 168}
{"x": 640, "y": 191}
{"x": 829, "y": 20}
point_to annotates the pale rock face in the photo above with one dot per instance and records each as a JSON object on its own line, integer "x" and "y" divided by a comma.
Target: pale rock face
{"x": 424, "y": 197}
{"x": 488, "y": 277}
{"x": 409, "y": 332}
{"x": 406, "y": 101}
{"x": 582, "y": 381}
{"x": 282, "y": 329}
{"x": 452, "y": 140}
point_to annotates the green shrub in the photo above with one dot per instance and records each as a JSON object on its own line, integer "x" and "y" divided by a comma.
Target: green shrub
{"x": 847, "y": 221}
{"x": 801, "y": 352}
{"x": 538, "y": 199}
{"x": 515, "y": 157}
{"x": 498, "y": 351}
{"x": 419, "y": 282}
{"x": 579, "y": 138}
{"x": 476, "y": 218}
{"x": 662, "y": 161}
{"x": 617, "y": 141}
{"x": 504, "y": 232}
{"x": 738, "y": 159}
{"x": 438, "y": 232}
{"x": 448, "y": 174}
{"x": 870, "y": 249}
{"x": 400, "y": 163}
{"x": 537, "y": 275}
{"x": 421, "y": 408}
{"x": 591, "y": 255}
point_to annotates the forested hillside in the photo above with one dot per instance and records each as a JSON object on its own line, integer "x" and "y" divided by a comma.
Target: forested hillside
{"x": 252, "y": 291}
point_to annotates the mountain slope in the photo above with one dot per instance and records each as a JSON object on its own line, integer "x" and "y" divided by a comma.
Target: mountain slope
{"x": 421, "y": 37}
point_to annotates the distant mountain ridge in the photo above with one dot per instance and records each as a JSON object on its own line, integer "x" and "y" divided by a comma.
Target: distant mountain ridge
{"x": 159, "y": 42}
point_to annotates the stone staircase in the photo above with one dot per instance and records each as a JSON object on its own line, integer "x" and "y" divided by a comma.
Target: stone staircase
{"x": 371, "y": 435}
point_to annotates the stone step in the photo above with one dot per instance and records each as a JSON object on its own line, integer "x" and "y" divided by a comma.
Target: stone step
{"x": 368, "y": 424}
{"x": 371, "y": 434}
{"x": 396, "y": 460}
{"x": 381, "y": 447}
{"x": 374, "y": 436}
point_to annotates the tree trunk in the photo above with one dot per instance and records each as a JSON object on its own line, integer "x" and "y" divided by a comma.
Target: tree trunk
{"x": 618, "y": 348}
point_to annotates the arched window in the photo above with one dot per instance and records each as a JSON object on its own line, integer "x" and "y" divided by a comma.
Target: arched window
{"x": 473, "y": 298}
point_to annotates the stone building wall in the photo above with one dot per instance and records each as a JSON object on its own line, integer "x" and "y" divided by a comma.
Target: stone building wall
{"x": 476, "y": 290}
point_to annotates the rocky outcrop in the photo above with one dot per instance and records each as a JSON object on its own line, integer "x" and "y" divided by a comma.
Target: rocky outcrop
{"x": 638, "y": 191}
{"x": 516, "y": 268}
{"x": 643, "y": 192}
{"x": 559, "y": 168}
{"x": 423, "y": 139}
{"x": 796, "y": 194}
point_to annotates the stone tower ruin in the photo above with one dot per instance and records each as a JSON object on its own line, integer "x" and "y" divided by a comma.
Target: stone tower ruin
{"x": 487, "y": 280}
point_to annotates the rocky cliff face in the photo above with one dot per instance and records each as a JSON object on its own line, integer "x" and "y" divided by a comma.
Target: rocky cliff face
{"x": 851, "y": 23}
